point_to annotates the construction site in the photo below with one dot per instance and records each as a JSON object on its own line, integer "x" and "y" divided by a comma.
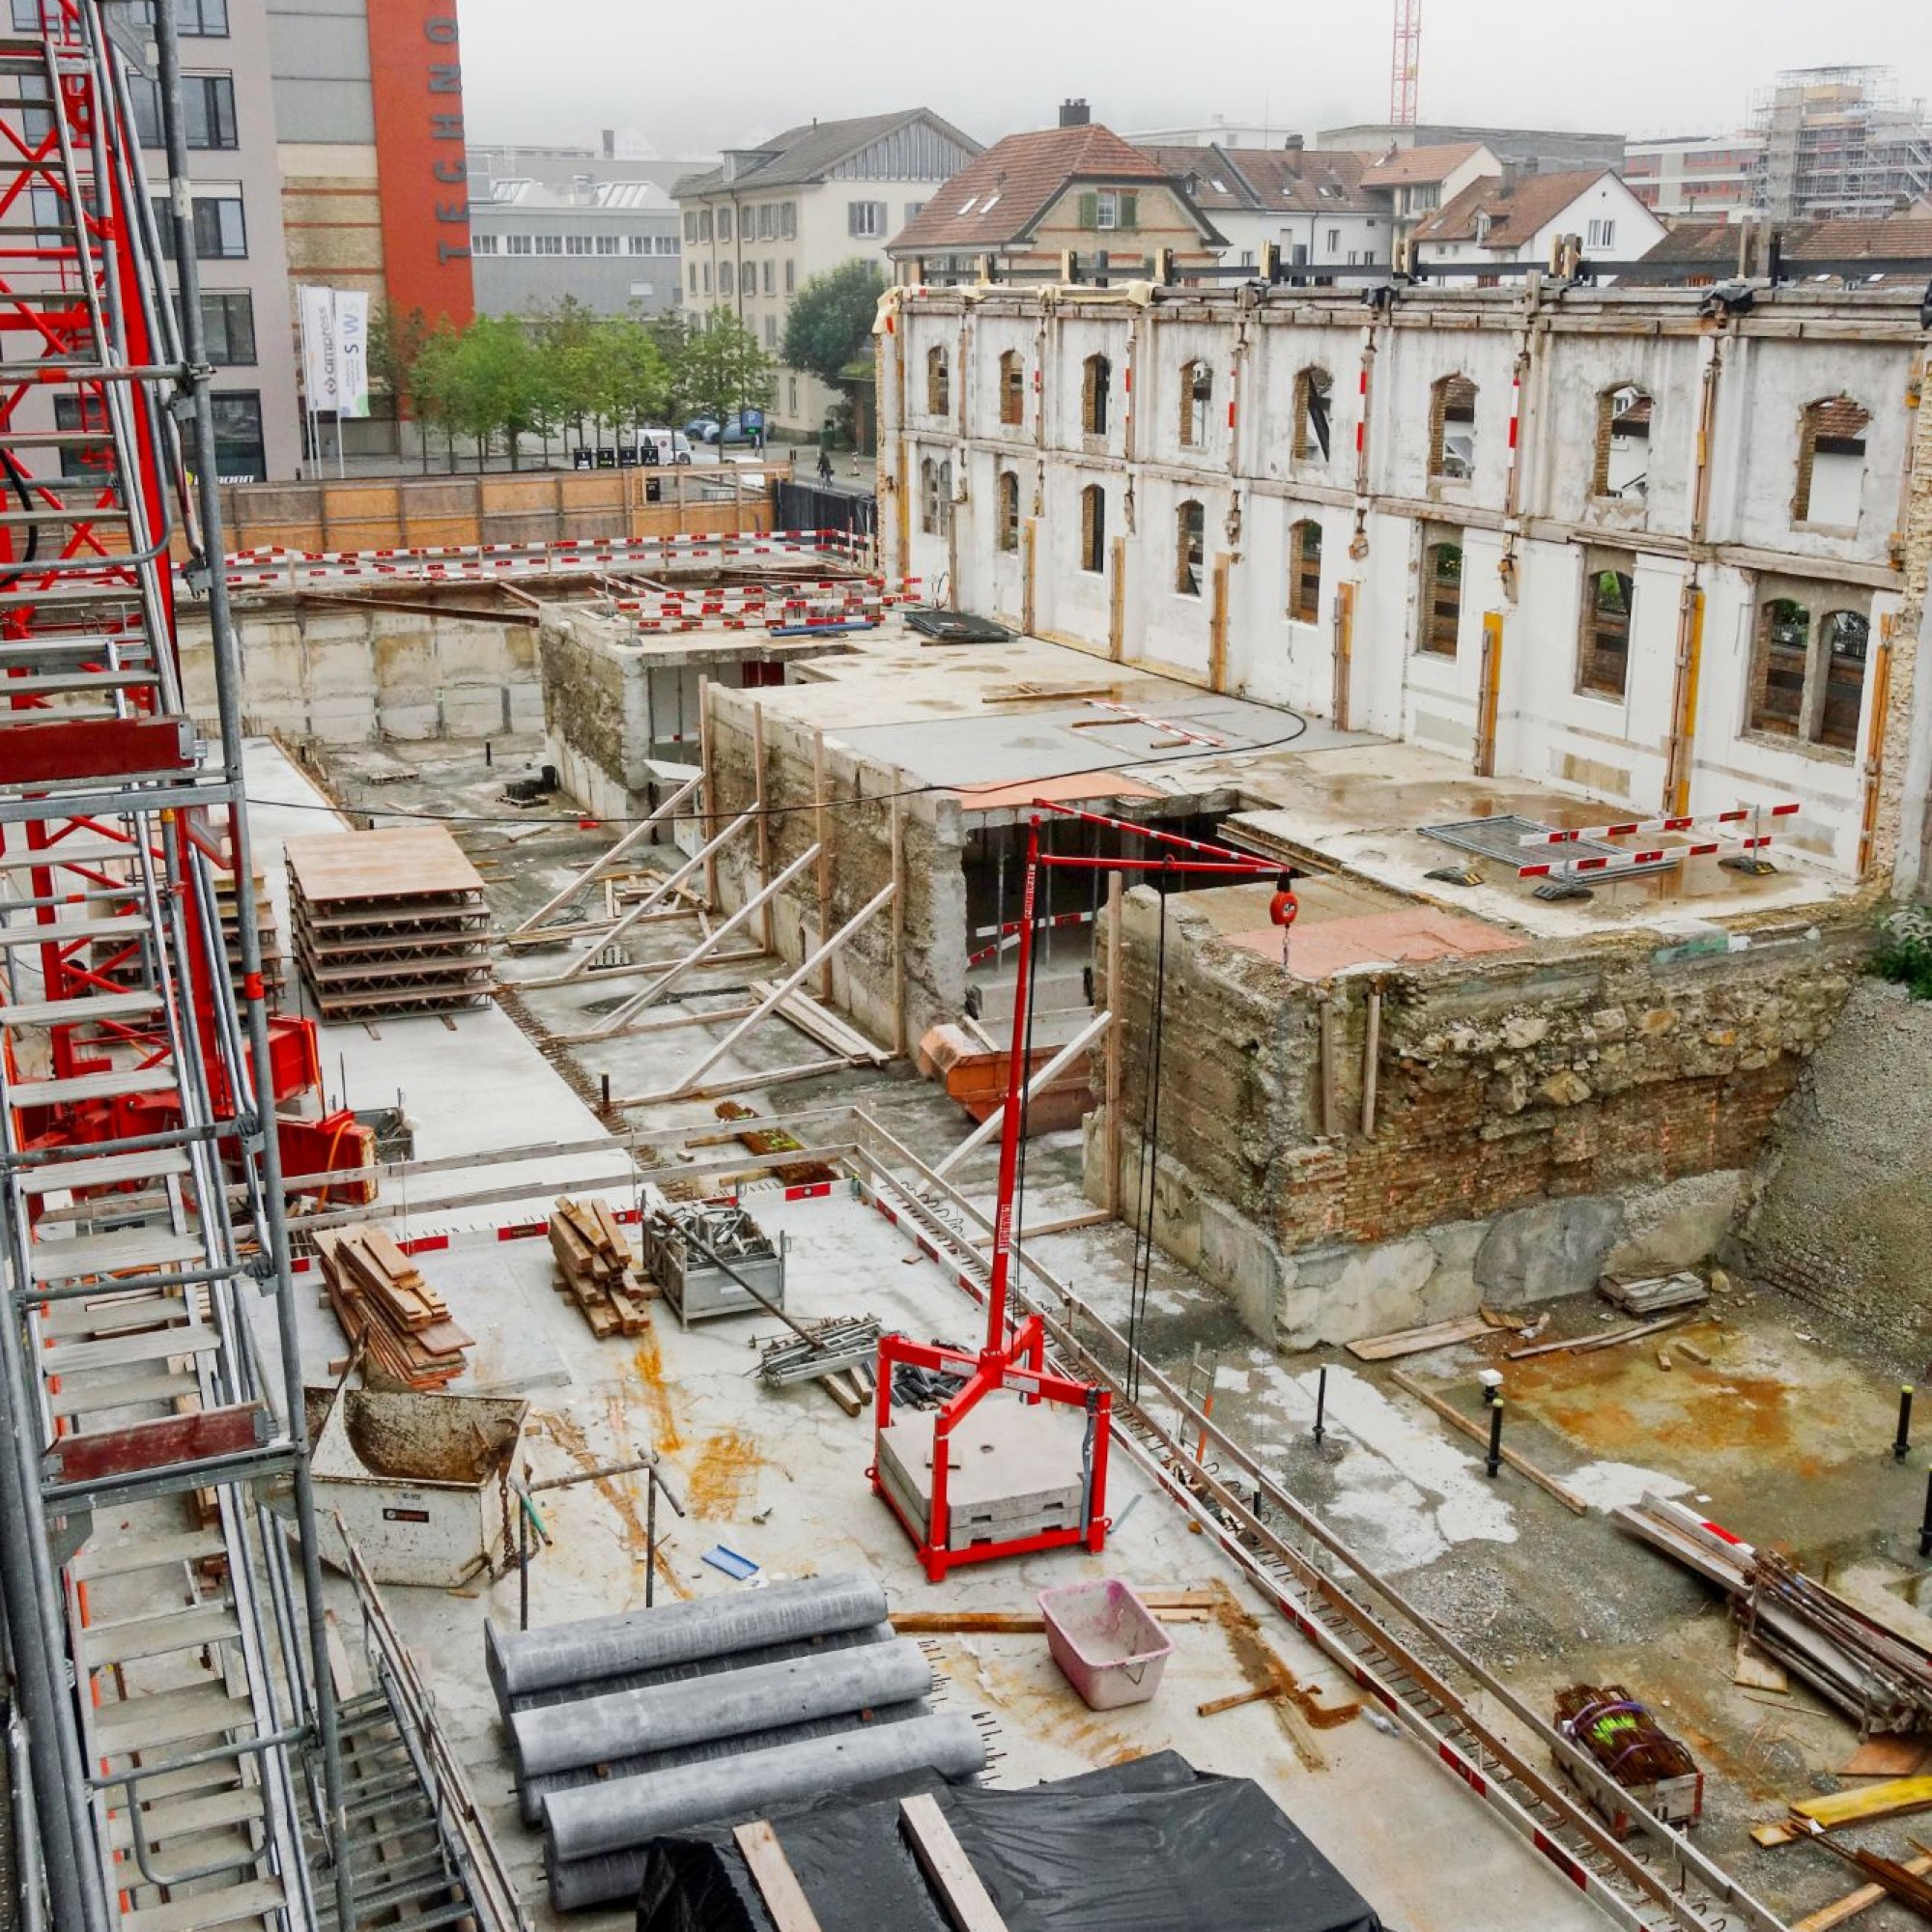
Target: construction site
{"x": 1180, "y": 1198}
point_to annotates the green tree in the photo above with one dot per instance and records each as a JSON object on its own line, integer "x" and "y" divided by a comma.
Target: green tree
{"x": 723, "y": 368}
{"x": 395, "y": 341}
{"x": 563, "y": 334}
{"x": 434, "y": 384}
{"x": 832, "y": 320}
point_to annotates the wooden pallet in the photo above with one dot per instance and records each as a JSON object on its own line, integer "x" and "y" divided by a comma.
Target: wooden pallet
{"x": 597, "y": 1268}
{"x": 381, "y": 1300}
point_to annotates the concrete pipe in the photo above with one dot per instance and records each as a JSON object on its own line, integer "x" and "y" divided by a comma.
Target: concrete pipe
{"x": 580, "y": 1653}
{"x": 535, "y": 1792}
{"x": 601, "y": 1729}
{"x": 696, "y": 1667}
{"x": 600, "y": 1818}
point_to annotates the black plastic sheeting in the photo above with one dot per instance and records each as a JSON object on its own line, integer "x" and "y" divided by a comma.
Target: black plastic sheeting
{"x": 1150, "y": 1846}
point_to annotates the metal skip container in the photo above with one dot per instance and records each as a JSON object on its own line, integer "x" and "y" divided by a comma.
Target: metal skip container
{"x": 418, "y": 1478}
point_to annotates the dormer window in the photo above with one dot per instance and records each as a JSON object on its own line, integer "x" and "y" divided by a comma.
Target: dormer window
{"x": 1482, "y": 228}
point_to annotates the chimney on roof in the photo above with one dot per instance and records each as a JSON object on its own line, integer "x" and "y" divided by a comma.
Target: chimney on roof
{"x": 1513, "y": 172}
{"x": 1075, "y": 114}
{"x": 1294, "y": 143}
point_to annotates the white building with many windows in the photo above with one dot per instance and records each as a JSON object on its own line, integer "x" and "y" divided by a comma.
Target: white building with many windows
{"x": 764, "y": 222}
{"x": 1599, "y": 539}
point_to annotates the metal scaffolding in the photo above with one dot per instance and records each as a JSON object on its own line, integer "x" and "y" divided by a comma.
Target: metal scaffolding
{"x": 180, "y": 1718}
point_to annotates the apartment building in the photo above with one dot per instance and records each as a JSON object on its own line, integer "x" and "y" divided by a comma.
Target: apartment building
{"x": 1707, "y": 177}
{"x": 1506, "y": 223}
{"x": 1507, "y": 546}
{"x": 1309, "y": 202}
{"x": 548, "y": 223}
{"x": 764, "y": 222}
{"x": 1033, "y": 200}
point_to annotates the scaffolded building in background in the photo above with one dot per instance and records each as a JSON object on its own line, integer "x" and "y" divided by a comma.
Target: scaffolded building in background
{"x": 1839, "y": 141}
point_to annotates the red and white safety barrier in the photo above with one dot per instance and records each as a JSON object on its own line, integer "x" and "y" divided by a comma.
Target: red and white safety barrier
{"x": 1161, "y": 724}
{"x": 1610, "y": 864}
{"x": 1014, "y": 926}
{"x": 1633, "y": 827}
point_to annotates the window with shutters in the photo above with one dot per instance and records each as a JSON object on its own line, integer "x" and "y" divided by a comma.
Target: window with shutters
{"x": 1620, "y": 467}
{"x": 1096, "y": 376}
{"x": 1010, "y": 509}
{"x": 1197, "y": 393}
{"x": 1190, "y": 532}
{"x": 1452, "y": 430}
{"x": 1603, "y": 648}
{"x": 1314, "y": 394}
{"x": 1108, "y": 208}
{"x": 1304, "y": 571}
{"x": 865, "y": 219}
{"x": 1012, "y": 388}
{"x": 1831, "y": 463}
{"x": 1094, "y": 529}
{"x": 938, "y": 382}
{"x": 1441, "y": 598}
{"x": 1809, "y": 665}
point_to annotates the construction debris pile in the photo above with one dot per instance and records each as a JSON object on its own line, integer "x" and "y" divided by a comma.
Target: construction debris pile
{"x": 389, "y": 923}
{"x": 1151, "y": 1842}
{"x": 597, "y": 1268}
{"x": 622, "y": 1728}
{"x": 400, "y": 1325}
{"x": 1880, "y": 1678}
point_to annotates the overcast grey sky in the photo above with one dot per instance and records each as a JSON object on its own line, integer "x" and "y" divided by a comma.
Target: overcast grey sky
{"x": 695, "y": 77}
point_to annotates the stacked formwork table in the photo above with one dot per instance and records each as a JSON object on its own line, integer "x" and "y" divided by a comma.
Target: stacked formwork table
{"x": 389, "y": 923}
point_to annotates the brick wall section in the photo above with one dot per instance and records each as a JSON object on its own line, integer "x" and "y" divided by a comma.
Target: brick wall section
{"x": 1562, "y": 1070}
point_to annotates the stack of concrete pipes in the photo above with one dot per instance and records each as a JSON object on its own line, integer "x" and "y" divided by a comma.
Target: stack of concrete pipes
{"x": 624, "y": 1728}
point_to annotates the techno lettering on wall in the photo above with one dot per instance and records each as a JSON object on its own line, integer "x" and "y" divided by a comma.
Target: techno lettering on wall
{"x": 416, "y": 84}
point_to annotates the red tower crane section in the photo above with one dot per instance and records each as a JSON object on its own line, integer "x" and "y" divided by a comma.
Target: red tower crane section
{"x": 1406, "y": 64}
{"x": 1014, "y": 1357}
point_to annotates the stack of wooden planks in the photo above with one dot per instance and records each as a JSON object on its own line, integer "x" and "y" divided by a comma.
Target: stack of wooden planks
{"x": 382, "y": 1301}
{"x": 597, "y": 1268}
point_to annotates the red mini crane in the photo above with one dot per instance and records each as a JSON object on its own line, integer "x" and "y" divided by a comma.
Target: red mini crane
{"x": 1013, "y": 1358}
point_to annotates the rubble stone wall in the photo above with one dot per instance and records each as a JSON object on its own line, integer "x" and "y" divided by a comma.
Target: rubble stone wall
{"x": 1542, "y": 1117}
{"x": 1842, "y": 1206}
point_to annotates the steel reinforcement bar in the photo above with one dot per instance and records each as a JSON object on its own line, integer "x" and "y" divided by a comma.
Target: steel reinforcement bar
{"x": 1415, "y": 1671}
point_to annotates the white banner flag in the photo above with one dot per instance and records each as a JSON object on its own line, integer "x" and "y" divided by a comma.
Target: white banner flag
{"x": 321, "y": 373}
{"x": 351, "y": 352}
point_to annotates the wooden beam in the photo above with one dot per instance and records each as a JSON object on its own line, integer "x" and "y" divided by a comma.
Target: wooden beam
{"x": 772, "y": 1874}
{"x": 710, "y": 786}
{"x": 1841, "y": 1911}
{"x": 947, "y": 1869}
{"x": 821, "y": 838}
{"x": 764, "y": 823}
{"x": 1522, "y": 1464}
{"x": 898, "y": 926}
{"x": 1112, "y": 1124}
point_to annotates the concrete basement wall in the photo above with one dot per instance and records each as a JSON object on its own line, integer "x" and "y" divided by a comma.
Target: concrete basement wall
{"x": 1845, "y": 1198}
{"x": 859, "y": 835}
{"x": 1542, "y": 1118}
{"x": 348, "y": 676}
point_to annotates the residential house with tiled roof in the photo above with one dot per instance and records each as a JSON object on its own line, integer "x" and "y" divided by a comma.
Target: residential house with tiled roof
{"x": 767, "y": 219}
{"x": 1033, "y": 199}
{"x": 1417, "y": 182}
{"x": 1848, "y": 250}
{"x": 1512, "y": 221}
{"x": 1309, "y": 203}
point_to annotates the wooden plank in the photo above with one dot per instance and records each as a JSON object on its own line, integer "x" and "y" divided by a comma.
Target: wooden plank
{"x": 1894, "y": 1799}
{"x": 1841, "y": 1911}
{"x": 399, "y": 862}
{"x": 772, "y": 1874}
{"x": 1522, "y": 1464}
{"x": 1887, "y": 1757}
{"x": 1617, "y": 1336}
{"x": 947, "y": 1869}
{"x": 1414, "y": 1340}
{"x": 188, "y": 1437}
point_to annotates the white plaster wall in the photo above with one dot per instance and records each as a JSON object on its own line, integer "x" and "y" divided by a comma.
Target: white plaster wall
{"x": 1547, "y": 731}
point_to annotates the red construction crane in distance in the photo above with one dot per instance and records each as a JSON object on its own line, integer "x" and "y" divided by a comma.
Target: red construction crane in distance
{"x": 1406, "y": 66}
